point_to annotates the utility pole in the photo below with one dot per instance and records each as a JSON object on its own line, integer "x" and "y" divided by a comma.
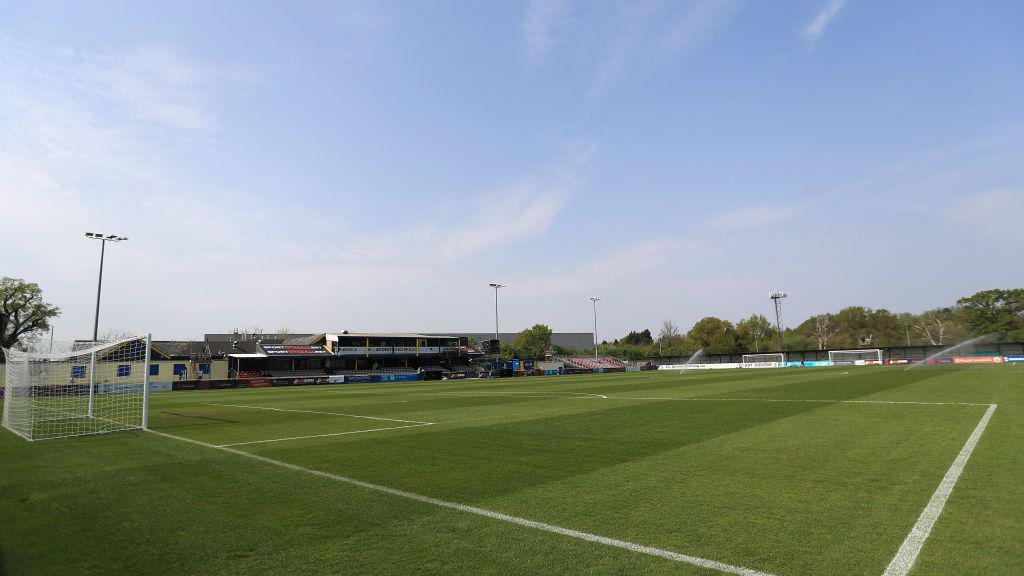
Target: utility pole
{"x": 594, "y": 299}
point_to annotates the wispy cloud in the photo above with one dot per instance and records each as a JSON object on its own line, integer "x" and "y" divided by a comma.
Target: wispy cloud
{"x": 816, "y": 27}
{"x": 542, "y": 22}
{"x": 698, "y": 23}
{"x": 993, "y": 214}
{"x": 528, "y": 208}
{"x": 753, "y": 217}
{"x": 651, "y": 31}
{"x": 90, "y": 151}
{"x": 149, "y": 83}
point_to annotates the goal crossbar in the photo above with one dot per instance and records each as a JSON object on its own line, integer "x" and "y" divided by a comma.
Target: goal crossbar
{"x": 858, "y": 357}
{"x": 772, "y": 357}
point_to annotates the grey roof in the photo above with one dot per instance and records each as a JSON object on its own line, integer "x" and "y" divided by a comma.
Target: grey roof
{"x": 235, "y": 336}
{"x": 302, "y": 340}
{"x": 391, "y": 335}
{"x": 577, "y": 340}
{"x": 179, "y": 348}
{"x": 241, "y": 347}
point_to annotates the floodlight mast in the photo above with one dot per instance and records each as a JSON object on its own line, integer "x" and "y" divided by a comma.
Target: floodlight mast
{"x": 103, "y": 238}
{"x": 594, "y": 299}
{"x": 776, "y": 296}
{"x": 497, "y": 341}
{"x": 96, "y": 321}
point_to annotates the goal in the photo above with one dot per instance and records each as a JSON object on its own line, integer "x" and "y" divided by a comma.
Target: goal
{"x": 72, "y": 389}
{"x": 775, "y": 358}
{"x": 855, "y": 357}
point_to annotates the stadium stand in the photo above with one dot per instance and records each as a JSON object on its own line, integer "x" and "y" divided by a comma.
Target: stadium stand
{"x": 603, "y": 363}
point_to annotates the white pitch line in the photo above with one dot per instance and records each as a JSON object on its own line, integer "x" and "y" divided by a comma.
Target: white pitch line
{"x": 905, "y": 557}
{"x": 316, "y": 412}
{"x": 526, "y": 394}
{"x": 623, "y": 544}
{"x": 699, "y": 399}
{"x": 320, "y": 435}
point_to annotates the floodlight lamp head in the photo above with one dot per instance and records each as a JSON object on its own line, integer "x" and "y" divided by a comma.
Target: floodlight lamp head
{"x": 105, "y": 237}
{"x": 777, "y": 294}
{"x": 495, "y": 285}
{"x": 595, "y": 298}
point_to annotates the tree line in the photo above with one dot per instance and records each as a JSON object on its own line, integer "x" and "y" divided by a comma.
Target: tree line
{"x": 998, "y": 314}
{"x": 25, "y": 316}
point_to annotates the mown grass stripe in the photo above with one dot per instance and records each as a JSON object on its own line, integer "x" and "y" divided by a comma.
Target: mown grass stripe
{"x": 613, "y": 542}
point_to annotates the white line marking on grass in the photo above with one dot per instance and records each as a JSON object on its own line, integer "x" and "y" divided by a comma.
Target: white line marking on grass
{"x": 321, "y": 435}
{"x": 905, "y": 557}
{"x": 316, "y": 412}
{"x": 700, "y": 399}
{"x": 623, "y": 544}
{"x": 526, "y": 394}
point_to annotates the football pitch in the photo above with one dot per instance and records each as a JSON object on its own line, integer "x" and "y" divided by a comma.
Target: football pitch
{"x": 785, "y": 472}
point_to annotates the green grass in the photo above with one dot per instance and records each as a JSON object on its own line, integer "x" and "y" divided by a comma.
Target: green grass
{"x": 708, "y": 469}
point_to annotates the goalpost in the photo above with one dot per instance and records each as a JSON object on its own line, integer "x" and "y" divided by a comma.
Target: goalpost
{"x": 855, "y": 357}
{"x": 776, "y": 358}
{"x": 73, "y": 389}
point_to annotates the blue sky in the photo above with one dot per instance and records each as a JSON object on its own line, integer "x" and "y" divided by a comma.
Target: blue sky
{"x": 372, "y": 166}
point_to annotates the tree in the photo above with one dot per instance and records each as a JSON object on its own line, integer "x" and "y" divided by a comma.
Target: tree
{"x": 934, "y": 324}
{"x": 635, "y": 338}
{"x": 532, "y": 343}
{"x": 885, "y": 328}
{"x": 994, "y": 311}
{"x": 714, "y": 335}
{"x": 853, "y": 326}
{"x": 753, "y": 330}
{"x": 669, "y": 333}
{"x": 23, "y": 313}
{"x": 906, "y": 321}
{"x": 825, "y": 327}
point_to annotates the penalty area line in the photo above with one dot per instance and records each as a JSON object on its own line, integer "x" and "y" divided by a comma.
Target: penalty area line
{"x": 321, "y": 435}
{"x": 513, "y": 394}
{"x": 526, "y": 523}
{"x": 908, "y": 552}
{"x": 699, "y": 399}
{"x": 317, "y": 412}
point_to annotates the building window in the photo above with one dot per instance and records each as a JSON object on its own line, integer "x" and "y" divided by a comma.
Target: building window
{"x": 78, "y": 371}
{"x": 154, "y": 369}
{"x": 124, "y": 370}
{"x": 179, "y": 369}
{"x": 204, "y": 369}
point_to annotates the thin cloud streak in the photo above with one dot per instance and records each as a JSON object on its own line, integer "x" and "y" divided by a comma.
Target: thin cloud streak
{"x": 816, "y": 27}
{"x": 650, "y": 31}
{"x": 993, "y": 214}
{"x": 541, "y": 23}
{"x": 753, "y": 217}
{"x": 697, "y": 24}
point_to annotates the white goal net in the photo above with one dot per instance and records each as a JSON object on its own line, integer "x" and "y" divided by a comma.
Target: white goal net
{"x": 72, "y": 389}
{"x": 855, "y": 357}
{"x": 775, "y": 358}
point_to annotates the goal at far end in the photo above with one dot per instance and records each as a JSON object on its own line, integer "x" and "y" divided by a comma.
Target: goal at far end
{"x": 855, "y": 357}
{"x": 78, "y": 388}
{"x": 777, "y": 358}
